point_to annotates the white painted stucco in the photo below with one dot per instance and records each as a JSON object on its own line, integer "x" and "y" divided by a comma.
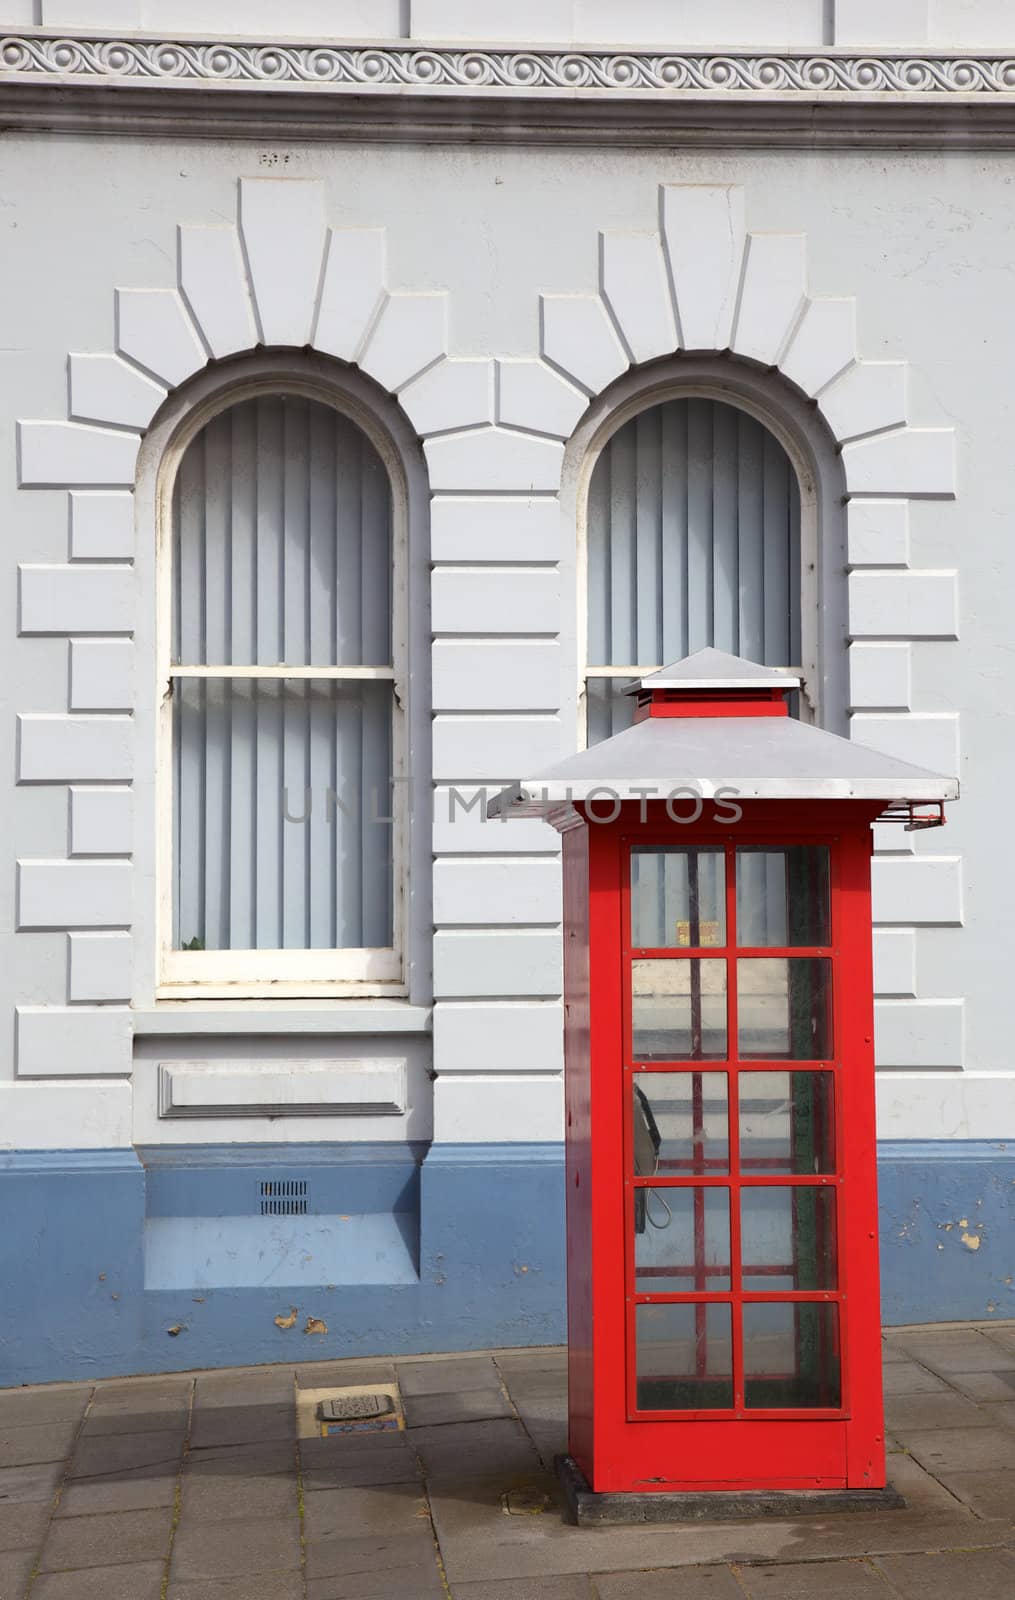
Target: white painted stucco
{"x": 496, "y": 296}
{"x": 673, "y": 23}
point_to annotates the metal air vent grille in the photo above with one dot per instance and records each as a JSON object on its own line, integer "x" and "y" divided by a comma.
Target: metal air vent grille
{"x": 284, "y": 1197}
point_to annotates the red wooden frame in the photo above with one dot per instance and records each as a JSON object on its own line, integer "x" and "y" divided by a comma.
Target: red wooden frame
{"x": 617, "y": 1445}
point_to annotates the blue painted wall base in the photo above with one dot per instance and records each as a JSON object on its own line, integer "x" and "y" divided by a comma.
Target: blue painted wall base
{"x": 112, "y": 1261}
{"x": 86, "y": 1256}
{"x": 947, "y": 1240}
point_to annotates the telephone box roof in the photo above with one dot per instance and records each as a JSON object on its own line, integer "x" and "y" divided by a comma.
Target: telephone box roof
{"x": 714, "y": 669}
{"x": 714, "y": 746}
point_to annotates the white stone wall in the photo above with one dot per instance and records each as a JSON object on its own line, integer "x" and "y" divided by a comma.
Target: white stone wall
{"x": 496, "y": 293}
{"x": 684, "y": 24}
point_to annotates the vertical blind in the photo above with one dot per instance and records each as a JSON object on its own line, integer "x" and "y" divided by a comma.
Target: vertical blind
{"x": 282, "y": 557}
{"x": 693, "y": 540}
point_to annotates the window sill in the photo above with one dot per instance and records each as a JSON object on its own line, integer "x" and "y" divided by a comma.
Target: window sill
{"x": 177, "y": 1017}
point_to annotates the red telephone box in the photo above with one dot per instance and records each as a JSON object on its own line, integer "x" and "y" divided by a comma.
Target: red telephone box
{"x": 723, "y": 1306}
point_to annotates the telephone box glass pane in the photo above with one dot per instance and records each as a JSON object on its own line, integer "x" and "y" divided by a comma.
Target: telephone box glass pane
{"x": 782, "y": 896}
{"x": 787, "y": 1122}
{"x": 678, "y": 897}
{"x": 679, "y": 1009}
{"x": 681, "y": 1240}
{"x": 681, "y": 1124}
{"x": 791, "y": 1354}
{"x": 684, "y": 1357}
{"x": 784, "y": 1008}
{"x": 787, "y": 1238}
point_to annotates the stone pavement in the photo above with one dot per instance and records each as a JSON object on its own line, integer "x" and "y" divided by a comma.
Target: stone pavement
{"x": 199, "y": 1487}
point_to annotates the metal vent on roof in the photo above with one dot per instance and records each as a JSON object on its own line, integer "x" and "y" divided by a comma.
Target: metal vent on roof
{"x": 284, "y": 1197}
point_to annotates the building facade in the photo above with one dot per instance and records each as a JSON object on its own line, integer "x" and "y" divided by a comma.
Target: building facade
{"x": 380, "y": 400}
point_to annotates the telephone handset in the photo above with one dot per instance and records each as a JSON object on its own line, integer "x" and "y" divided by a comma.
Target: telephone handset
{"x": 647, "y": 1142}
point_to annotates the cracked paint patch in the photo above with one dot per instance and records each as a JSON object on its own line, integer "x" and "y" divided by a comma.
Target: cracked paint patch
{"x": 970, "y": 1235}
{"x": 289, "y": 1321}
{"x": 315, "y": 1325}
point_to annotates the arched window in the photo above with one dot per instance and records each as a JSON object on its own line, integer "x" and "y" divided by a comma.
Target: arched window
{"x": 281, "y": 713}
{"x": 693, "y": 539}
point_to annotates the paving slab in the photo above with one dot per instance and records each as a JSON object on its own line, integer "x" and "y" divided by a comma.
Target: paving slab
{"x": 210, "y": 1499}
{"x": 120, "y": 1453}
{"x": 1002, "y": 1334}
{"x": 832, "y": 1580}
{"x": 240, "y": 1548}
{"x": 910, "y": 1413}
{"x": 36, "y": 1406}
{"x": 540, "y": 1407}
{"x": 549, "y": 1439}
{"x": 918, "y": 1487}
{"x": 25, "y": 1445}
{"x": 989, "y": 1494}
{"x": 132, "y": 1581}
{"x": 447, "y": 1376}
{"x": 690, "y": 1583}
{"x": 390, "y": 1583}
{"x": 479, "y": 1542}
{"x": 951, "y": 1400}
{"x": 163, "y": 1414}
{"x": 23, "y": 1527}
{"x": 480, "y": 1450}
{"x": 344, "y": 1374}
{"x": 908, "y": 1377}
{"x": 890, "y": 1352}
{"x": 469, "y": 1405}
{"x": 268, "y": 1586}
{"x": 140, "y": 1490}
{"x": 344, "y": 1558}
{"x": 244, "y": 1424}
{"x": 127, "y": 1391}
{"x": 238, "y": 1392}
{"x": 120, "y": 1536}
{"x": 255, "y": 1380}
{"x": 352, "y": 1513}
{"x": 15, "y": 1570}
{"x": 998, "y": 1385}
{"x": 362, "y": 1472}
{"x": 537, "y": 1388}
{"x": 960, "y": 1575}
{"x": 492, "y": 1545}
{"x": 345, "y": 1448}
{"x": 1003, "y": 1414}
{"x": 245, "y": 1460}
{"x": 541, "y": 1410}
{"x": 534, "y": 1358}
{"x": 964, "y": 1449}
{"x": 928, "y": 1527}
{"x": 21, "y": 1485}
{"x": 572, "y": 1587}
{"x": 962, "y": 1351}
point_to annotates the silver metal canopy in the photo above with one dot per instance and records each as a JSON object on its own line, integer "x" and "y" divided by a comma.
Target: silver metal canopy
{"x": 750, "y": 757}
{"x": 714, "y": 669}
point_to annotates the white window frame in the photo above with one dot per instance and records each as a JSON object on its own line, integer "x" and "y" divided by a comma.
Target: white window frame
{"x": 809, "y": 587}
{"x": 280, "y": 974}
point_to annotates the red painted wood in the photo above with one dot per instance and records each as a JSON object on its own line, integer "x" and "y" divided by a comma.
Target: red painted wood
{"x": 578, "y": 1163}
{"x": 617, "y": 1446}
{"x": 710, "y": 708}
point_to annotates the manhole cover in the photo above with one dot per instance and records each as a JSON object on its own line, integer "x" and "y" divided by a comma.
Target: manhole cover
{"x": 365, "y": 1412}
{"x": 356, "y": 1407}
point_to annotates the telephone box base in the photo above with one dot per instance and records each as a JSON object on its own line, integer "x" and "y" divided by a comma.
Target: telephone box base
{"x": 585, "y": 1509}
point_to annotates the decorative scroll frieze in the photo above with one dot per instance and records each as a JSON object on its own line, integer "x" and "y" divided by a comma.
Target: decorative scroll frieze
{"x": 394, "y": 67}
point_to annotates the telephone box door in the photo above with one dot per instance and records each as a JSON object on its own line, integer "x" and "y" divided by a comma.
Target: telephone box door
{"x": 744, "y": 1116}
